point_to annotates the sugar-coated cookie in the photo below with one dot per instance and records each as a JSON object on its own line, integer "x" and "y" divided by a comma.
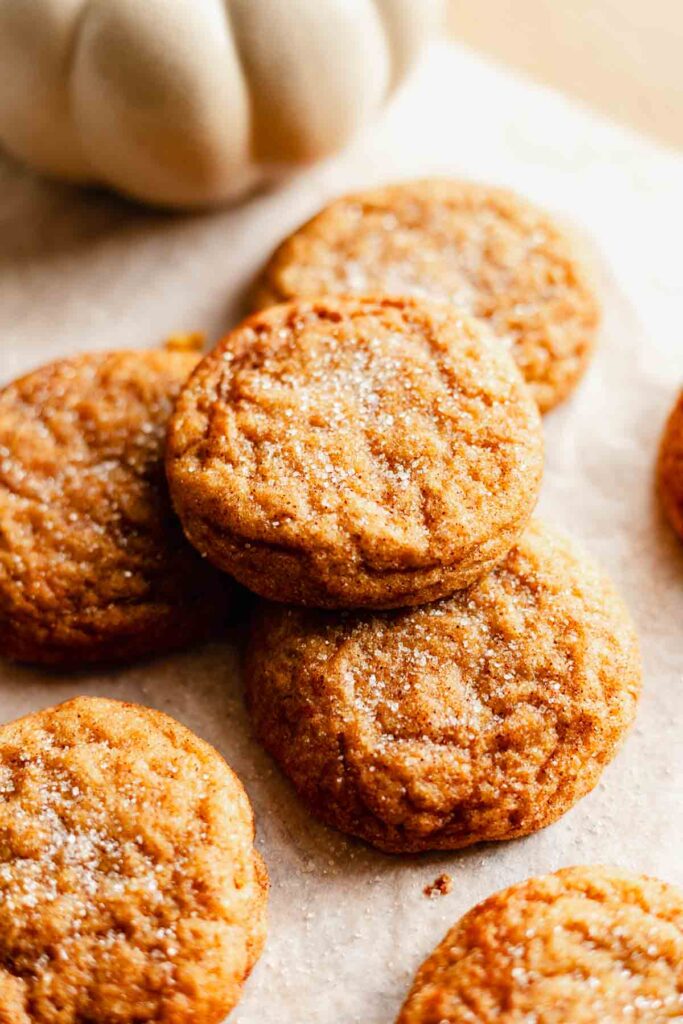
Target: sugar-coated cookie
{"x": 355, "y": 452}
{"x": 587, "y": 945}
{"x": 93, "y": 562}
{"x": 130, "y": 889}
{"x": 487, "y": 250}
{"x": 483, "y": 716}
{"x": 670, "y": 470}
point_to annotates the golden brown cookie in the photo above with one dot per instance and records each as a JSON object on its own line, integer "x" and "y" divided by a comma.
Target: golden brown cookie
{"x": 485, "y": 249}
{"x": 670, "y": 469}
{"x": 484, "y": 716}
{"x": 93, "y": 563}
{"x": 130, "y": 889}
{"x": 587, "y": 945}
{"x": 355, "y": 452}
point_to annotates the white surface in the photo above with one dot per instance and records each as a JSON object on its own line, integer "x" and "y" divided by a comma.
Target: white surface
{"x": 349, "y": 926}
{"x": 189, "y": 102}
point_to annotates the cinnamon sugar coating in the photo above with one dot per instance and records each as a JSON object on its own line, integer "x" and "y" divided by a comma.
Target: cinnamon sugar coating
{"x": 490, "y": 252}
{"x": 590, "y": 945}
{"x": 93, "y": 563}
{"x": 355, "y": 452}
{"x": 483, "y": 716}
{"x": 130, "y": 889}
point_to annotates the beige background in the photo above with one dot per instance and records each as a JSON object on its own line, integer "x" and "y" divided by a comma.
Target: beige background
{"x": 623, "y": 57}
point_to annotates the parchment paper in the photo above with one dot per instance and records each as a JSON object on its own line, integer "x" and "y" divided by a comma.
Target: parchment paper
{"x": 79, "y": 271}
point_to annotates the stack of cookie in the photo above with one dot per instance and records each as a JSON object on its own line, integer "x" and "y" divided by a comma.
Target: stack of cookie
{"x": 430, "y": 666}
{"x": 433, "y": 669}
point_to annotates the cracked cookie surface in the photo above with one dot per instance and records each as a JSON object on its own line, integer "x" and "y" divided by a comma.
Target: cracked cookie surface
{"x": 483, "y": 716}
{"x": 590, "y": 945}
{"x": 670, "y": 469}
{"x": 93, "y": 562}
{"x": 130, "y": 889}
{"x": 485, "y": 249}
{"x": 355, "y": 452}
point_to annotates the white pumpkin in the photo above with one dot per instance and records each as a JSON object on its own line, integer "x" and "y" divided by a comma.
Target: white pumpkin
{"x": 190, "y": 102}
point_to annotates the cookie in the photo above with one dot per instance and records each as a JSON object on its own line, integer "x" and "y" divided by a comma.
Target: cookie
{"x": 670, "y": 469}
{"x": 483, "y": 716}
{"x": 587, "y": 945}
{"x": 93, "y": 563}
{"x": 130, "y": 889}
{"x": 485, "y": 249}
{"x": 355, "y": 452}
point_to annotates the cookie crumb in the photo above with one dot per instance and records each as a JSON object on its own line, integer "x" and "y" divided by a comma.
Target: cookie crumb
{"x": 441, "y": 886}
{"x": 188, "y": 341}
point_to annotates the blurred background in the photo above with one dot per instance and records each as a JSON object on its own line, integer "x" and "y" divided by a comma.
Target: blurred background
{"x": 622, "y": 57}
